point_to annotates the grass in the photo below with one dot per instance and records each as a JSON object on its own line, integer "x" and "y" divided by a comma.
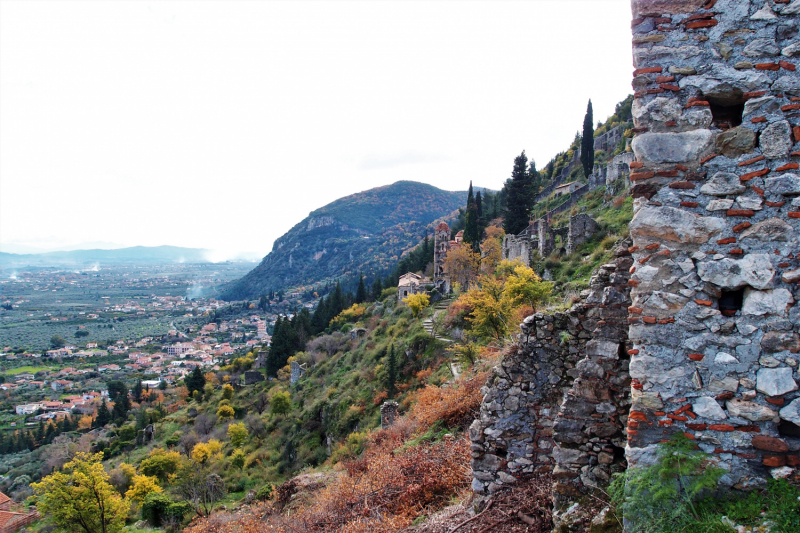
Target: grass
{"x": 29, "y": 368}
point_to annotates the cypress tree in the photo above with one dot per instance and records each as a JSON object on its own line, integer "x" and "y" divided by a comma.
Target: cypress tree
{"x": 587, "y": 141}
{"x": 361, "y": 292}
{"x": 194, "y": 381}
{"x": 137, "y": 391}
{"x": 471, "y": 235}
{"x": 519, "y": 197}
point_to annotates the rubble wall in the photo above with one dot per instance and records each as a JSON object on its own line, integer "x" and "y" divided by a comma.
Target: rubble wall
{"x": 558, "y": 402}
{"x": 714, "y": 323}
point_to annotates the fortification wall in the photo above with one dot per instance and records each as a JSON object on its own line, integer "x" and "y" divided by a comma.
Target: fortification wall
{"x": 714, "y": 324}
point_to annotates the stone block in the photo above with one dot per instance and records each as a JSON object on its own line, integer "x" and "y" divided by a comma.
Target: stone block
{"x": 750, "y": 410}
{"x": 673, "y": 147}
{"x": 775, "y": 381}
{"x": 755, "y": 270}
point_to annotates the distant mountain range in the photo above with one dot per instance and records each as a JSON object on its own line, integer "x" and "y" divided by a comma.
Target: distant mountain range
{"x": 135, "y": 254}
{"x": 364, "y": 232}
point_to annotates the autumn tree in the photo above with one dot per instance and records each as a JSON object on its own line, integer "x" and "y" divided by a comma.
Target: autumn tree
{"x": 80, "y": 498}
{"x": 462, "y": 264}
{"x": 492, "y": 248}
{"x": 524, "y": 286}
{"x": 280, "y": 403}
{"x": 417, "y": 302}
{"x": 141, "y": 486}
{"x": 237, "y": 433}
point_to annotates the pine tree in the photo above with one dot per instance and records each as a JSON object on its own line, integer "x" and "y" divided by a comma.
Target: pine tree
{"x": 103, "y": 415}
{"x": 391, "y": 373}
{"x": 519, "y": 197}
{"x": 195, "y": 381}
{"x": 471, "y": 235}
{"x": 587, "y": 142}
{"x": 361, "y": 292}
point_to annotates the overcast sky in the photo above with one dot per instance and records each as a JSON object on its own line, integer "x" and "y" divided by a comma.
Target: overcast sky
{"x": 220, "y": 125}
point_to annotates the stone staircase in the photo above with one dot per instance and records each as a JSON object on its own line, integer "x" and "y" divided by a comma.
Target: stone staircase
{"x": 438, "y": 309}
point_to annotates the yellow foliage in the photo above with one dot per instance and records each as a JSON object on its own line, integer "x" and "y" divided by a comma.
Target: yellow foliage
{"x": 142, "y": 486}
{"x": 352, "y": 314}
{"x": 225, "y": 412}
{"x": 205, "y": 451}
{"x": 417, "y": 302}
{"x": 129, "y": 471}
{"x": 227, "y": 391}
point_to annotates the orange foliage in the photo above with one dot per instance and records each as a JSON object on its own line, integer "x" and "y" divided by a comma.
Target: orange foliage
{"x": 422, "y": 375}
{"x": 456, "y": 406}
{"x": 380, "y": 397}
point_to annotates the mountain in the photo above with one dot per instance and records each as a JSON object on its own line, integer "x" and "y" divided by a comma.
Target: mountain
{"x": 364, "y": 232}
{"x": 135, "y": 254}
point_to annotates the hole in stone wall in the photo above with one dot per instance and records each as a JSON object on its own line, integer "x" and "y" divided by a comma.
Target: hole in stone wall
{"x": 726, "y": 113}
{"x": 730, "y": 302}
{"x": 619, "y": 454}
{"x": 787, "y": 429}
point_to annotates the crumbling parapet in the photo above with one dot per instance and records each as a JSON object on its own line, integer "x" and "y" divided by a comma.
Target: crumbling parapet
{"x": 714, "y": 323}
{"x": 547, "y": 241}
{"x": 388, "y": 414}
{"x": 297, "y": 372}
{"x": 582, "y": 227}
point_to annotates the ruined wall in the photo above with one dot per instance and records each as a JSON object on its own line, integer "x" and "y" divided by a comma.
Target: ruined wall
{"x": 714, "y": 324}
{"x": 559, "y": 401}
{"x": 581, "y": 228}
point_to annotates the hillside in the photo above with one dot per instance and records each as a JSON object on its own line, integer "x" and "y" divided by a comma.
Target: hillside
{"x": 364, "y": 232}
{"x": 134, "y": 254}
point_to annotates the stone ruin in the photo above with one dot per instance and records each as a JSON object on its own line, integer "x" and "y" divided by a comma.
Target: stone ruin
{"x": 297, "y": 371}
{"x": 694, "y": 328}
{"x": 252, "y": 376}
{"x": 388, "y": 414}
{"x": 541, "y": 237}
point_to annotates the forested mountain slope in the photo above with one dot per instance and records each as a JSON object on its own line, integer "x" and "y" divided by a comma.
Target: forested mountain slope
{"x": 364, "y": 232}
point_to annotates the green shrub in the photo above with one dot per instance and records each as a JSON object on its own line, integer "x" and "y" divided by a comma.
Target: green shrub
{"x": 265, "y": 492}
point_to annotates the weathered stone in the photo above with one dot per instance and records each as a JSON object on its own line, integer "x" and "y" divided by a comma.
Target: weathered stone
{"x": 791, "y": 276}
{"x": 726, "y": 384}
{"x": 769, "y": 230}
{"x": 646, "y": 400}
{"x": 765, "y": 13}
{"x": 787, "y": 84}
{"x": 792, "y": 9}
{"x": 753, "y": 203}
{"x": 779, "y": 341}
{"x": 569, "y": 456}
{"x": 736, "y": 141}
{"x": 723, "y": 358}
{"x": 792, "y": 412}
{"x": 769, "y": 302}
{"x": 791, "y": 50}
{"x": 763, "y": 106}
{"x": 787, "y": 184}
{"x": 673, "y": 147}
{"x": 726, "y": 85}
{"x": 683, "y": 71}
{"x": 651, "y": 224}
{"x": 775, "y": 381}
{"x": 755, "y": 270}
{"x": 707, "y": 407}
{"x": 722, "y": 184}
{"x": 750, "y": 410}
{"x": 761, "y": 48}
{"x": 776, "y": 140}
{"x": 720, "y": 204}
{"x": 602, "y": 348}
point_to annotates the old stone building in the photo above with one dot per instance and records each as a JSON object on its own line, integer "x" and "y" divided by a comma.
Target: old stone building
{"x": 541, "y": 237}
{"x": 694, "y": 328}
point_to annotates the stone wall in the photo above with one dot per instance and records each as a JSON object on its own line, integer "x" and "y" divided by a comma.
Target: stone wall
{"x": 558, "y": 402}
{"x": 608, "y": 140}
{"x": 714, "y": 324}
{"x": 581, "y": 228}
{"x": 618, "y": 173}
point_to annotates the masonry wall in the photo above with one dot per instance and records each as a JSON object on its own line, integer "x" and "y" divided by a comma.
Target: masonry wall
{"x": 558, "y": 403}
{"x": 714, "y": 323}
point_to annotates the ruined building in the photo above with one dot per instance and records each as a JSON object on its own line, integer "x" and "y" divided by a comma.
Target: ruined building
{"x": 693, "y": 328}
{"x": 540, "y": 237}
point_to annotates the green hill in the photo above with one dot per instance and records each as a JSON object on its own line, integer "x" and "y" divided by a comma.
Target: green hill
{"x": 364, "y": 232}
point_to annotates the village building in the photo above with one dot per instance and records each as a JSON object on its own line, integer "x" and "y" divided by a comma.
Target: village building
{"x": 411, "y": 283}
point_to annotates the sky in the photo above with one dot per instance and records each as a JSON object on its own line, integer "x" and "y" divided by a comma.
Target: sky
{"x": 220, "y": 125}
